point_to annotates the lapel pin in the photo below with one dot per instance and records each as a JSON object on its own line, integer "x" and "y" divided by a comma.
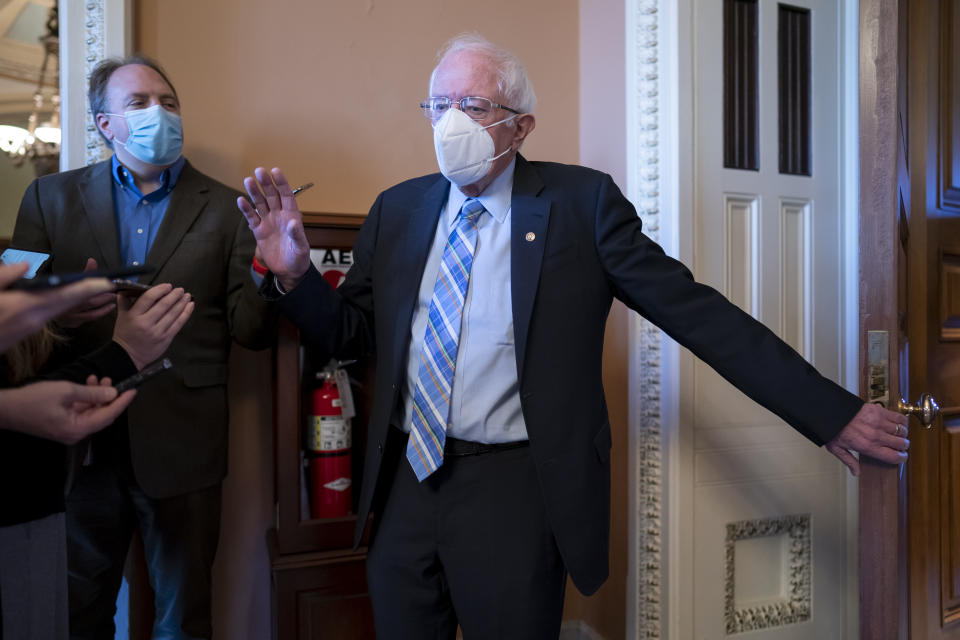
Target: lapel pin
{"x": 531, "y": 236}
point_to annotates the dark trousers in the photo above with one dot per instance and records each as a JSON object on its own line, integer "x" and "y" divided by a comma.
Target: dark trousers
{"x": 470, "y": 545}
{"x": 180, "y": 537}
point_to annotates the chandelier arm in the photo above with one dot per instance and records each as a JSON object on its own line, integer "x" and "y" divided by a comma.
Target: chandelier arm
{"x": 41, "y": 148}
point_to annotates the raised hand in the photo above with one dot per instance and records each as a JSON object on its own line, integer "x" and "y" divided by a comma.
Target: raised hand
{"x": 874, "y": 432}
{"x": 146, "y": 327}
{"x": 277, "y": 225}
{"x": 23, "y": 313}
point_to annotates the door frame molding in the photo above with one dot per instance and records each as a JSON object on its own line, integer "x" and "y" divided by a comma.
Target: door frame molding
{"x": 650, "y": 154}
{"x": 850, "y": 286}
{"x": 89, "y": 32}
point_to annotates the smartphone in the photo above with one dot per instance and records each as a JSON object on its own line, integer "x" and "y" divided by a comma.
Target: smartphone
{"x": 142, "y": 376}
{"x": 34, "y": 258}
{"x": 130, "y": 288}
{"x": 59, "y": 279}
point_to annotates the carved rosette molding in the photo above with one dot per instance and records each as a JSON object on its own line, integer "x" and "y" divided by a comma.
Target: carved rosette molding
{"x": 793, "y": 609}
{"x": 649, "y": 477}
{"x": 93, "y": 52}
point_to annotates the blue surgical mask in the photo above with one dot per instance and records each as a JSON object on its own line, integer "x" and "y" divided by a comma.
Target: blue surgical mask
{"x": 155, "y": 135}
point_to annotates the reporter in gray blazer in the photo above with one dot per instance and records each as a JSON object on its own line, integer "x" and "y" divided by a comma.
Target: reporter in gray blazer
{"x": 161, "y": 465}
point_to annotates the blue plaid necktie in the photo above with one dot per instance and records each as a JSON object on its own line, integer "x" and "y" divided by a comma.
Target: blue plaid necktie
{"x": 431, "y": 398}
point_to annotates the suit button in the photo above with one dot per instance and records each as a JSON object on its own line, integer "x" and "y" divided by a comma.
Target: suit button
{"x": 380, "y": 448}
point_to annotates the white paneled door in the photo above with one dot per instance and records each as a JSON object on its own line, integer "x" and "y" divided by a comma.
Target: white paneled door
{"x": 767, "y": 535}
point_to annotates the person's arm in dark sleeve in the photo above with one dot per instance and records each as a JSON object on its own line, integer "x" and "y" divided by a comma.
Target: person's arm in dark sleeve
{"x": 253, "y": 318}
{"x": 740, "y": 348}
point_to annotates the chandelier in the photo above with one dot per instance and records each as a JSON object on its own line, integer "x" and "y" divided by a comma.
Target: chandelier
{"x": 40, "y": 141}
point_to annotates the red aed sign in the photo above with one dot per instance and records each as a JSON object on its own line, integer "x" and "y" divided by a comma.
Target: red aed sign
{"x": 332, "y": 264}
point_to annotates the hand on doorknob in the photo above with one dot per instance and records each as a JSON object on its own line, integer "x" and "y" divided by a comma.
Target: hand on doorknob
{"x": 875, "y": 432}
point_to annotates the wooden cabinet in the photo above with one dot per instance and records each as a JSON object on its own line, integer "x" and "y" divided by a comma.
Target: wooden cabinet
{"x": 319, "y": 586}
{"x": 320, "y": 595}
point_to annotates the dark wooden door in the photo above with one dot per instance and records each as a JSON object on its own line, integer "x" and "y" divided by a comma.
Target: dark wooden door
{"x": 910, "y": 239}
{"x": 934, "y": 541}
{"x": 884, "y": 263}
{"x": 934, "y": 287}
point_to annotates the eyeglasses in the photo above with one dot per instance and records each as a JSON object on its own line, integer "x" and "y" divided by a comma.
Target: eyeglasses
{"x": 474, "y": 107}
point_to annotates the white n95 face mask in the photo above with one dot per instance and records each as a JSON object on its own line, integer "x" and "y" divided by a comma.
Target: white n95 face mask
{"x": 465, "y": 149}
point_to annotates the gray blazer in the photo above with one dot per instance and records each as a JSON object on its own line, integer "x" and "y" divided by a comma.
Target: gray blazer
{"x": 178, "y": 422}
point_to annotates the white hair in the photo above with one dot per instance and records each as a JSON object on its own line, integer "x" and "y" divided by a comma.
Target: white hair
{"x": 512, "y": 80}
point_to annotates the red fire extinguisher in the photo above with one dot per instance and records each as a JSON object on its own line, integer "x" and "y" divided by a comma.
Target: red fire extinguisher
{"x": 327, "y": 450}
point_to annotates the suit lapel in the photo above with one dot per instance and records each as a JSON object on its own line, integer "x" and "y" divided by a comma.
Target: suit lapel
{"x": 188, "y": 200}
{"x": 420, "y": 227}
{"x": 96, "y": 196}
{"x": 530, "y": 216}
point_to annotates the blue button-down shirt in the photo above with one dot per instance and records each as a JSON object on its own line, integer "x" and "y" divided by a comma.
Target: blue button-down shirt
{"x": 485, "y": 403}
{"x": 139, "y": 216}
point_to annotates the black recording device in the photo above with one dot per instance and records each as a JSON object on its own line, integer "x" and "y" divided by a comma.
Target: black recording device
{"x": 142, "y": 376}
{"x": 130, "y": 288}
{"x": 60, "y": 279}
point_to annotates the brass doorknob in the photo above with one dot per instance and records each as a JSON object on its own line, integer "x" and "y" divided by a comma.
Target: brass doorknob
{"x": 926, "y": 410}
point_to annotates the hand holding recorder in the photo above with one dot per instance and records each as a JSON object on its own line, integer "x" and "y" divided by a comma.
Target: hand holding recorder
{"x": 146, "y": 325}
{"x": 62, "y": 411}
{"x": 23, "y": 312}
{"x": 90, "y": 309}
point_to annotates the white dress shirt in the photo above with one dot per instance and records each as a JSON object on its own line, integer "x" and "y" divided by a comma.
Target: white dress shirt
{"x": 485, "y": 403}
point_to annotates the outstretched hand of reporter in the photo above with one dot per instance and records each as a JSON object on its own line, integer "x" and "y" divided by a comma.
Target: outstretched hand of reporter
{"x": 23, "y": 313}
{"x": 277, "y": 225}
{"x": 875, "y": 432}
{"x": 146, "y": 326}
{"x": 62, "y": 411}
{"x": 89, "y": 309}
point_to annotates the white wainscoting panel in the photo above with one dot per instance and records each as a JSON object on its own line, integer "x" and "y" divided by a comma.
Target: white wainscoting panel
{"x": 795, "y": 272}
{"x": 742, "y": 260}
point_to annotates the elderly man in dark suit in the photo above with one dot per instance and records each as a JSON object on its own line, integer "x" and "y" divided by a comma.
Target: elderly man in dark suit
{"x": 484, "y": 293}
{"x": 160, "y": 466}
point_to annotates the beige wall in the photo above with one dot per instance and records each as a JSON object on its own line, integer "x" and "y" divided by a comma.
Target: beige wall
{"x": 603, "y": 146}
{"x": 328, "y": 91}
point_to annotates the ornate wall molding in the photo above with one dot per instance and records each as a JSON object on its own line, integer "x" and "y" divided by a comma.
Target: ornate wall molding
{"x": 793, "y": 609}
{"x": 90, "y": 30}
{"x": 643, "y": 180}
{"x": 94, "y": 51}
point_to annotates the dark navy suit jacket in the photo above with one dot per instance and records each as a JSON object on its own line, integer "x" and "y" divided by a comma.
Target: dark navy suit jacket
{"x": 587, "y": 248}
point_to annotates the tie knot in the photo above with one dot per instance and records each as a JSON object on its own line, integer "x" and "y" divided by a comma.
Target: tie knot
{"x": 471, "y": 209}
